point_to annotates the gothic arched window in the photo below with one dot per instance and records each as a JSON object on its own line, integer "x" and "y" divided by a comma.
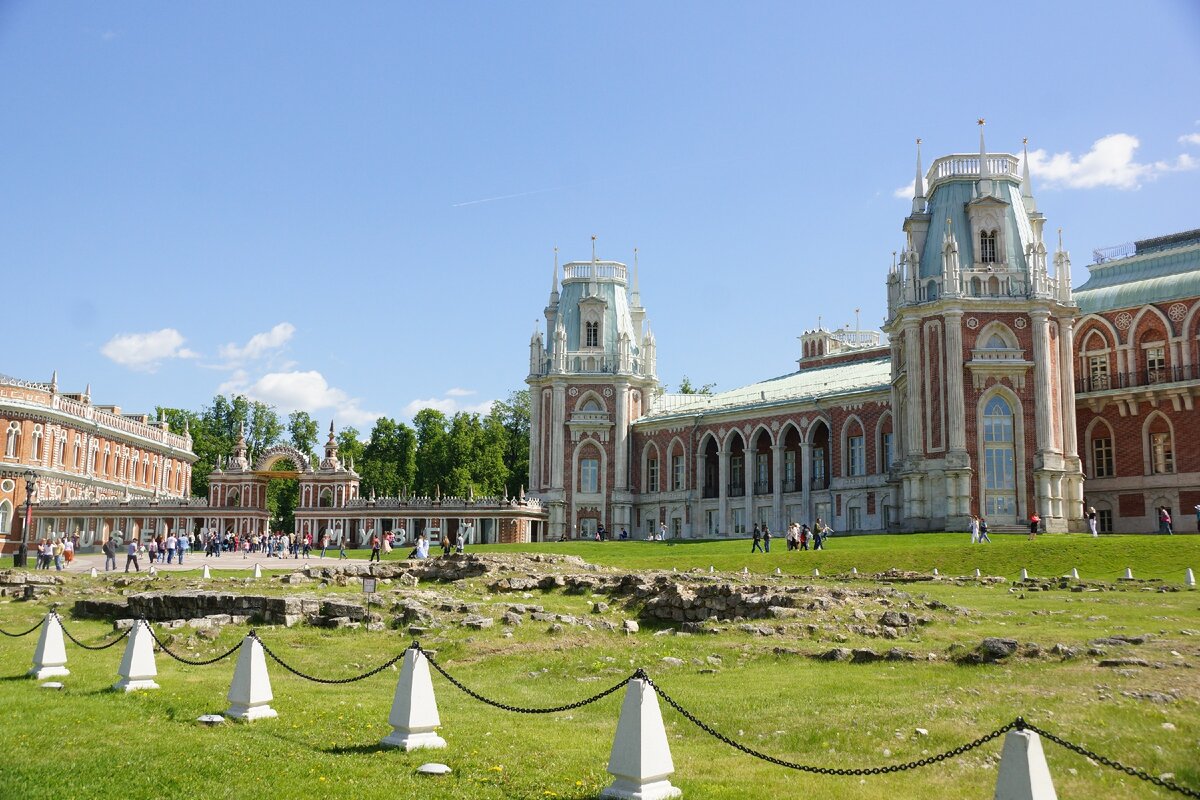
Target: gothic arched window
{"x": 12, "y": 442}
{"x": 999, "y": 460}
{"x": 987, "y": 247}
{"x": 592, "y": 330}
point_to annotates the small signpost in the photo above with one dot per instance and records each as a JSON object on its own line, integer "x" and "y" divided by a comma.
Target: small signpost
{"x": 368, "y": 590}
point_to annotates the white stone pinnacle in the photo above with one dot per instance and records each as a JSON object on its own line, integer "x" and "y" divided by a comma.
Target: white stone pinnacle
{"x": 414, "y": 717}
{"x": 640, "y": 762}
{"x": 1023, "y": 774}
{"x": 50, "y": 655}
{"x": 250, "y": 693}
{"x": 137, "y": 670}
{"x": 1189, "y": 578}
{"x": 257, "y": 571}
{"x": 206, "y": 574}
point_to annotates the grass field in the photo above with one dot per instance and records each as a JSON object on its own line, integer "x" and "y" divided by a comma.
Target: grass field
{"x": 86, "y": 741}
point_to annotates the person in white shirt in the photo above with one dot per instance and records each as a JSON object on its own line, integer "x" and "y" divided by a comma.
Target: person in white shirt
{"x": 172, "y": 542}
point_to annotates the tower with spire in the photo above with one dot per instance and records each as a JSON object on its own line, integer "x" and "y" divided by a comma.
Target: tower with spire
{"x": 981, "y": 334}
{"x": 590, "y": 378}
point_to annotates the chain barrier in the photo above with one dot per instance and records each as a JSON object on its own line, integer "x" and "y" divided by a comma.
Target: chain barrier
{"x": 67, "y": 633}
{"x": 201, "y": 663}
{"x": 313, "y": 678}
{"x": 924, "y": 762}
{"x": 1021, "y": 724}
{"x": 519, "y": 709}
{"x": 26, "y": 633}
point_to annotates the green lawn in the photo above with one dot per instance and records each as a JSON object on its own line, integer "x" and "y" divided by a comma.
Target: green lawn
{"x": 85, "y": 741}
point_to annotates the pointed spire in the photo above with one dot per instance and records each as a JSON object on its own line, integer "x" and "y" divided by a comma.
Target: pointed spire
{"x": 1026, "y": 183}
{"x": 554, "y": 280}
{"x": 54, "y": 382}
{"x": 593, "y": 247}
{"x": 87, "y": 394}
{"x": 637, "y": 293}
{"x": 919, "y": 185}
{"x": 985, "y": 172}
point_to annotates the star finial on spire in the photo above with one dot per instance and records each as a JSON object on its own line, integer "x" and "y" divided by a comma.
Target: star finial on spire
{"x": 981, "y": 121}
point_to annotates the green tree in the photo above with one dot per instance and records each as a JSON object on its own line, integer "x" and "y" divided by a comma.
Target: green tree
{"x": 433, "y": 454}
{"x": 283, "y": 495}
{"x": 687, "y": 387}
{"x": 512, "y": 416}
{"x": 303, "y": 431}
{"x": 349, "y": 447}
{"x": 389, "y": 462}
{"x": 215, "y": 431}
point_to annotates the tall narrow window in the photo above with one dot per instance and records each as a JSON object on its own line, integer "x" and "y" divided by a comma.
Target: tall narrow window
{"x": 987, "y": 247}
{"x": 855, "y": 459}
{"x": 999, "y": 461}
{"x": 735, "y": 470}
{"x": 1098, "y": 372}
{"x": 789, "y": 469}
{"x": 886, "y": 442}
{"x": 818, "y": 467}
{"x": 5, "y": 516}
{"x": 76, "y": 454}
{"x": 1156, "y": 364}
{"x": 593, "y": 333}
{"x": 12, "y": 441}
{"x": 1163, "y": 456}
{"x": 37, "y": 442}
{"x": 678, "y": 473}
{"x": 589, "y": 475}
{"x": 652, "y": 475}
{"x": 1102, "y": 457}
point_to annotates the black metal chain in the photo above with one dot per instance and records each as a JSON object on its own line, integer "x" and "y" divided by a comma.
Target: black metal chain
{"x": 202, "y": 663}
{"x": 26, "y": 633}
{"x": 1021, "y": 724}
{"x": 518, "y": 709}
{"x": 315, "y": 679}
{"x": 124, "y": 633}
{"x": 924, "y": 762}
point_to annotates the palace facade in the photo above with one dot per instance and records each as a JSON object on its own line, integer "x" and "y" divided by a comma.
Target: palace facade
{"x": 999, "y": 390}
{"x": 83, "y": 456}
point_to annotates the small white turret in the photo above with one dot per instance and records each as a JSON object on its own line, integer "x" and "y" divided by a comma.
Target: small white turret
{"x": 1062, "y": 270}
{"x": 1026, "y": 183}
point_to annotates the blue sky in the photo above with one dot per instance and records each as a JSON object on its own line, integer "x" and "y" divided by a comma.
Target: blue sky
{"x": 352, "y": 208}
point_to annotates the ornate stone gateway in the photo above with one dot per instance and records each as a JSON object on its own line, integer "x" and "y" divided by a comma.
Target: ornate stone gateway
{"x": 329, "y": 503}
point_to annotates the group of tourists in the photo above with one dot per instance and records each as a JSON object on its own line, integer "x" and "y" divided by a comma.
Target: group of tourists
{"x": 979, "y": 530}
{"x": 798, "y": 536}
{"x": 56, "y": 551}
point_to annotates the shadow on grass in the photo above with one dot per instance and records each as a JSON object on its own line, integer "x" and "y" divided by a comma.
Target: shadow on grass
{"x": 356, "y": 749}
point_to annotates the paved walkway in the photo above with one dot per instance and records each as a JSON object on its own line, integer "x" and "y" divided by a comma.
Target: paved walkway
{"x": 195, "y": 563}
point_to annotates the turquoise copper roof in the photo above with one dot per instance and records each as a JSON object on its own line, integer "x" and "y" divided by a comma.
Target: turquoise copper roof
{"x": 807, "y": 385}
{"x": 949, "y": 201}
{"x": 1155, "y": 276}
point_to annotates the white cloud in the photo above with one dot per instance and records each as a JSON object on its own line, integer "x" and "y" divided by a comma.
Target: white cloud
{"x": 145, "y": 351}
{"x": 1109, "y": 163}
{"x": 260, "y": 344}
{"x": 301, "y": 391}
{"x": 1190, "y": 138}
{"x": 447, "y": 405}
{"x": 906, "y": 192}
{"x": 456, "y": 392}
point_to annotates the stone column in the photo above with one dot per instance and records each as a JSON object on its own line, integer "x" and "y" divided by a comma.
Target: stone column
{"x": 806, "y": 480}
{"x": 1066, "y": 378}
{"x": 723, "y": 489}
{"x": 748, "y": 478}
{"x": 1041, "y": 378}
{"x": 621, "y": 435}
{"x": 777, "y": 484}
{"x": 558, "y": 410}
{"x": 912, "y": 359}
{"x": 535, "y": 437}
{"x": 954, "y": 383}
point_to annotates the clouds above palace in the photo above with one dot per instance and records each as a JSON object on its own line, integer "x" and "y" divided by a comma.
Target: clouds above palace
{"x": 451, "y": 402}
{"x": 301, "y": 390}
{"x": 259, "y": 345}
{"x": 1111, "y": 162}
{"x": 145, "y": 352}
